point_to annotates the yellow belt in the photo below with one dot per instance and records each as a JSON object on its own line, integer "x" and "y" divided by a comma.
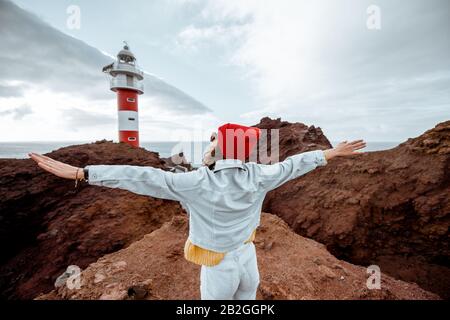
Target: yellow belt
{"x": 206, "y": 257}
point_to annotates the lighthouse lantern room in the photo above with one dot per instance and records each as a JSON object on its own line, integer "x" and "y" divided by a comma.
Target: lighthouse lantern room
{"x": 126, "y": 80}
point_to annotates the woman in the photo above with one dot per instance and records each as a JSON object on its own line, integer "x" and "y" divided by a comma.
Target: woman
{"x": 223, "y": 199}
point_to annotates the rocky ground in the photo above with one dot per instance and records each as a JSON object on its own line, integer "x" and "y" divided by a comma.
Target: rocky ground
{"x": 291, "y": 267}
{"x": 389, "y": 208}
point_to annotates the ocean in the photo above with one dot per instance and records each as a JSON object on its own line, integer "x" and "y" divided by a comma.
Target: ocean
{"x": 165, "y": 149}
{"x": 19, "y": 150}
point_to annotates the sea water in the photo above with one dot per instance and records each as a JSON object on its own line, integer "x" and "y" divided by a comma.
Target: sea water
{"x": 19, "y": 150}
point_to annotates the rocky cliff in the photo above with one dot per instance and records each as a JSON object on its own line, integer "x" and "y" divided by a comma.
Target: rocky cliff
{"x": 389, "y": 207}
{"x": 46, "y": 224}
{"x": 293, "y": 138}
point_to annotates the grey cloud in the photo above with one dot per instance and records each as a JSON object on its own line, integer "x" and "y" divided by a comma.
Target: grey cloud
{"x": 10, "y": 91}
{"x": 396, "y": 78}
{"x": 146, "y": 123}
{"x": 17, "y": 113}
{"x": 78, "y": 118}
{"x": 34, "y": 52}
{"x": 413, "y": 43}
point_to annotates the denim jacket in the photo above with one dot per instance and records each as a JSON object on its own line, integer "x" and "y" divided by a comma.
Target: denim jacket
{"x": 224, "y": 204}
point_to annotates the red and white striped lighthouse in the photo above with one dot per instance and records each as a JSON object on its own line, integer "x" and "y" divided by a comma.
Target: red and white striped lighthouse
{"x": 126, "y": 81}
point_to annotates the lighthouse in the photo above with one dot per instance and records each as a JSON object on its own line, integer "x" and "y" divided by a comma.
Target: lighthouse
{"x": 125, "y": 79}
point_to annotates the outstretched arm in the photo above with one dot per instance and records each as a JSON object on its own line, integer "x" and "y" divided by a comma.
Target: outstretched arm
{"x": 272, "y": 176}
{"x": 141, "y": 180}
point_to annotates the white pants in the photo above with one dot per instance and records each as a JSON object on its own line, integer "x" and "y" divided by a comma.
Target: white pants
{"x": 236, "y": 277}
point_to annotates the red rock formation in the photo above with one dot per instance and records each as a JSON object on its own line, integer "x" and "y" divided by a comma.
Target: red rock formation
{"x": 390, "y": 207}
{"x": 46, "y": 225}
{"x": 291, "y": 267}
{"x": 293, "y": 137}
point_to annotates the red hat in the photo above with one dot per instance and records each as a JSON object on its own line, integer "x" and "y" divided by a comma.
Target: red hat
{"x": 236, "y": 141}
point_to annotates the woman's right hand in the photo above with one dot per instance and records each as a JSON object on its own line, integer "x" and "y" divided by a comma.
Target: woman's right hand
{"x": 58, "y": 168}
{"x": 345, "y": 149}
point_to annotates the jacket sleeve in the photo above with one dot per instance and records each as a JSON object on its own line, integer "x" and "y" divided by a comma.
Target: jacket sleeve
{"x": 274, "y": 175}
{"x": 145, "y": 180}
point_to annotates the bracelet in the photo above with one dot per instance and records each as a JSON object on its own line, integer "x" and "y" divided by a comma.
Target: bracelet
{"x": 76, "y": 178}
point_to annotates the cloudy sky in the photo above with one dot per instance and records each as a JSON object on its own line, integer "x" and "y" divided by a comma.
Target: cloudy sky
{"x": 380, "y": 73}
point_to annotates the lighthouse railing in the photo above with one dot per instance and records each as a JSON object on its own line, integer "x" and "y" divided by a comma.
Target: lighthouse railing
{"x": 122, "y": 83}
{"x": 124, "y": 67}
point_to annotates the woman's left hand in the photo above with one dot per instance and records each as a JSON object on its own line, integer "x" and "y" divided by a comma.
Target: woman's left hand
{"x": 58, "y": 168}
